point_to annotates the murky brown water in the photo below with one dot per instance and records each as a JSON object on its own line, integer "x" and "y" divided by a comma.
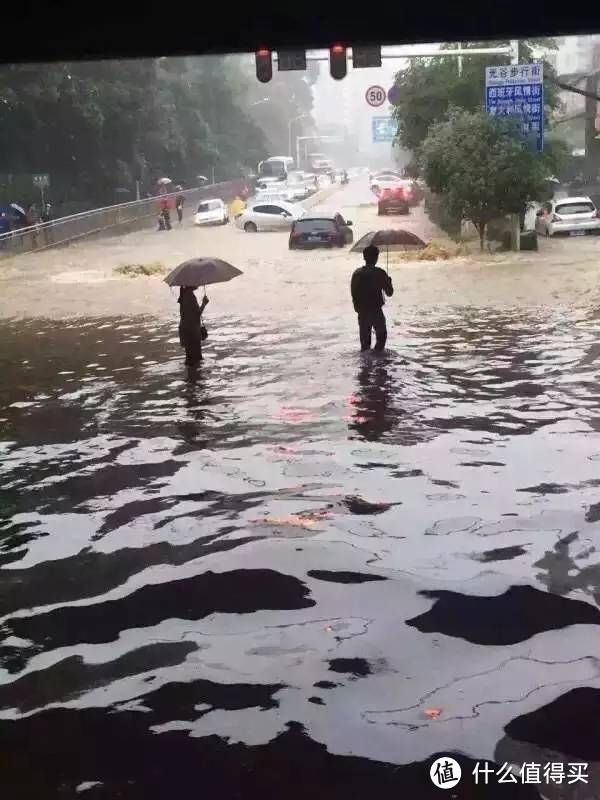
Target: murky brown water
{"x": 254, "y": 581}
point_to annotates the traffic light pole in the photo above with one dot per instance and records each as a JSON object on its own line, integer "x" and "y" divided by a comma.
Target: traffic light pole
{"x": 457, "y": 51}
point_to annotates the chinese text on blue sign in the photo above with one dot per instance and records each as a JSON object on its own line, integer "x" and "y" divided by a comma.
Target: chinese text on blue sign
{"x": 384, "y": 129}
{"x": 518, "y": 91}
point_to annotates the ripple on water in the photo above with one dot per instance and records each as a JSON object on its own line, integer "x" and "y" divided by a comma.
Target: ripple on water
{"x": 234, "y": 574}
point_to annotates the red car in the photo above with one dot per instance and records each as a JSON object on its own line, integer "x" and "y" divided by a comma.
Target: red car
{"x": 394, "y": 200}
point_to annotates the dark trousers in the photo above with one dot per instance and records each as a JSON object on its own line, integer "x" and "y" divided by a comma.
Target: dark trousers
{"x": 191, "y": 341}
{"x": 372, "y": 320}
{"x": 179, "y": 213}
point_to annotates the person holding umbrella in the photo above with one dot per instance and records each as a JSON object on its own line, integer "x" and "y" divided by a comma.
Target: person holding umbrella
{"x": 190, "y": 324}
{"x": 368, "y": 285}
{"x": 189, "y": 276}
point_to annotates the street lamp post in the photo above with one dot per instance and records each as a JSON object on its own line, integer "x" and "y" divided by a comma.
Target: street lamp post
{"x": 294, "y": 119}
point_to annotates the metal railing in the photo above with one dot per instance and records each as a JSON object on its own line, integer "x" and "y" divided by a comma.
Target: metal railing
{"x": 129, "y": 216}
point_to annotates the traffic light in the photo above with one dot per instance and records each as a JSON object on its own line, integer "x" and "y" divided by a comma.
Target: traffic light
{"x": 264, "y": 65}
{"x": 366, "y": 56}
{"x": 337, "y": 61}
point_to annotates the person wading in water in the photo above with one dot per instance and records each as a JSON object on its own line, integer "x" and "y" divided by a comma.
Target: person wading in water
{"x": 190, "y": 324}
{"x": 367, "y": 287}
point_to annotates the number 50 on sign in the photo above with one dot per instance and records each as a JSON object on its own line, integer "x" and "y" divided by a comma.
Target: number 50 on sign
{"x": 375, "y": 96}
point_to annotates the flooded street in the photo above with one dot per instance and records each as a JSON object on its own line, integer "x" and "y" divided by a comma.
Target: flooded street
{"x": 303, "y": 571}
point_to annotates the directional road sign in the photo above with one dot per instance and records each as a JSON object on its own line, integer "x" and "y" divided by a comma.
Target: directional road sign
{"x": 518, "y": 91}
{"x": 384, "y": 129}
{"x": 41, "y": 181}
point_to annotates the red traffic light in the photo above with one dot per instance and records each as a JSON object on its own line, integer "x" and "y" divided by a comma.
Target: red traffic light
{"x": 264, "y": 65}
{"x": 338, "y": 66}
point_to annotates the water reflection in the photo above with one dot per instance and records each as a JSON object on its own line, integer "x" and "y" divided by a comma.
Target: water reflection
{"x": 289, "y": 540}
{"x": 374, "y": 412}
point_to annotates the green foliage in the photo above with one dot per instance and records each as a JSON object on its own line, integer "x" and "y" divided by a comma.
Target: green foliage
{"x": 436, "y": 210}
{"x": 102, "y": 125}
{"x": 430, "y": 86}
{"x": 272, "y": 105}
{"x": 481, "y": 167}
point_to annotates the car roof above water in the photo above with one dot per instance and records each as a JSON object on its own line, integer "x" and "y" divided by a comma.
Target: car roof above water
{"x": 320, "y": 218}
{"x": 567, "y": 200}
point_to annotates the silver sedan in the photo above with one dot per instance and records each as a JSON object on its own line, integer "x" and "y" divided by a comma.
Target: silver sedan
{"x": 269, "y": 216}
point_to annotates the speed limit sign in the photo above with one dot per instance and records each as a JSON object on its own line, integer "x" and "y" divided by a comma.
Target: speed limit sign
{"x": 375, "y": 96}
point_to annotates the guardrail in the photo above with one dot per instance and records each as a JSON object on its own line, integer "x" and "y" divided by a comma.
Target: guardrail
{"x": 135, "y": 213}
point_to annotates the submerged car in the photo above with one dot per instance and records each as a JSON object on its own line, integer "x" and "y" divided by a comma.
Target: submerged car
{"x": 298, "y": 189}
{"x": 271, "y": 216}
{"x": 211, "y": 212}
{"x": 322, "y": 231}
{"x": 570, "y": 215}
{"x": 394, "y": 200}
{"x": 384, "y": 180}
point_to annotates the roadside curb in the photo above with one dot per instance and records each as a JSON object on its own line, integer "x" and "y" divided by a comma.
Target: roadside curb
{"x": 321, "y": 195}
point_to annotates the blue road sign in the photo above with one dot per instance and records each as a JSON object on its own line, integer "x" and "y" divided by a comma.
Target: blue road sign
{"x": 518, "y": 91}
{"x": 384, "y": 129}
{"x": 394, "y": 95}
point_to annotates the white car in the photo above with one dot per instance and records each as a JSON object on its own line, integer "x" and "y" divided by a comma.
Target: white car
{"x": 298, "y": 187}
{"x": 280, "y": 196}
{"x": 273, "y": 191}
{"x": 385, "y": 180}
{"x": 211, "y": 212}
{"x": 572, "y": 215}
{"x": 269, "y": 216}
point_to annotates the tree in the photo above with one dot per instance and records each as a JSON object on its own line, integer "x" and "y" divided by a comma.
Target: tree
{"x": 481, "y": 166}
{"x": 287, "y": 96}
{"x": 96, "y": 126}
{"x": 430, "y": 86}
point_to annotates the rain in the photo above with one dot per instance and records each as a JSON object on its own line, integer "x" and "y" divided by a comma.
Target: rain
{"x": 296, "y": 568}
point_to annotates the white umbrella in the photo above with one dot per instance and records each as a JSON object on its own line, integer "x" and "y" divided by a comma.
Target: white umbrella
{"x": 202, "y": 272}
{"x": 164, "y": 181}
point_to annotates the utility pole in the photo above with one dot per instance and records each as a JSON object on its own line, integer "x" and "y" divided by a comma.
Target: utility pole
{"x": 515, "y": 51}
{"x": 290, "y": 122}
{"x": 591, "y": 107}
{"x": 515, "y": 219}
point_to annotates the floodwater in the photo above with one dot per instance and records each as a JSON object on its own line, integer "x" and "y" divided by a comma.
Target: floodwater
{"x": 301, "y": 571}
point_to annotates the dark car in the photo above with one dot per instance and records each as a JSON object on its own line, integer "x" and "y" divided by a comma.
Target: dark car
{"x": 394, "y": 200}
{"x": 325, "y": 231}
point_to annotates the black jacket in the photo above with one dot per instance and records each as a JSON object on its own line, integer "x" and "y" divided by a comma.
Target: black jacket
{"x": 189, "y": 311}
{"x": 367, "y": 288}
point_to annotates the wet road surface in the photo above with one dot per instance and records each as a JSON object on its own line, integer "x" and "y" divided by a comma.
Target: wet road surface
{"x": 257, "y": 579}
